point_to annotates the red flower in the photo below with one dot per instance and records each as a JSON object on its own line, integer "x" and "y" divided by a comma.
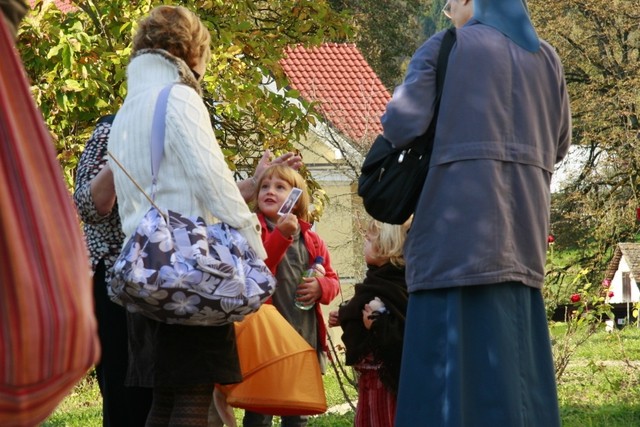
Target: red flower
{"x": 551, "y": 238}
{"x": 610, "y": 294}
{"x": 575, "y": 297}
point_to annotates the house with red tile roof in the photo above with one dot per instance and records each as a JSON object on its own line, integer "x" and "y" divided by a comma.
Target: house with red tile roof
{"x": 350, "y": 98}
{"x": 350, "y": 94}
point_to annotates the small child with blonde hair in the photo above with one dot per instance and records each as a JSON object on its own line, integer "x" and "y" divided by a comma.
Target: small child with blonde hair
{"x": 373, "y": 324}
{"x": 291, "y": 248}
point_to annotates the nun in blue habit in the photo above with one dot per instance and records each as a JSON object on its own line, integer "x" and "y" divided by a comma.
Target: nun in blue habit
{"x": 477, "y": 351}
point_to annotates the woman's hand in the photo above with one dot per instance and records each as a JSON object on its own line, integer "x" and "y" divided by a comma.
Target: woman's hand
{"x": 289, "y": 159}
{"x": 248, "y": 187}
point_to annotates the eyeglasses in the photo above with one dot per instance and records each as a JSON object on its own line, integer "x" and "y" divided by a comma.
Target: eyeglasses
{"x": 446, "y": 10}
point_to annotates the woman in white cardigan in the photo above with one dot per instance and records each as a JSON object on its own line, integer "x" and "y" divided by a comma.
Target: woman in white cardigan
{"x": 180, "y": 363}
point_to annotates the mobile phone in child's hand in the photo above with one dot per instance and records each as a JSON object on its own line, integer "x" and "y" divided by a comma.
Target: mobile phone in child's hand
{"x": 290, "y": 201}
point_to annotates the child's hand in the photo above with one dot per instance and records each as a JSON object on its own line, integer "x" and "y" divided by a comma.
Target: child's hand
{"x": 333, "y": 319}
{"x": 368, "y": 316}
{"x": 309, "y": 291}
{"x": 288, "y": 225}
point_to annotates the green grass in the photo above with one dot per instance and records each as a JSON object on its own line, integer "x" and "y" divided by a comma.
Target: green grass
{"x": 600, "y": 388}
{"x": 81, "y": 408}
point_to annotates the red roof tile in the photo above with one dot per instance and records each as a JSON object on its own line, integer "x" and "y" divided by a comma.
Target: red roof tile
{"x": 351, "y": 95}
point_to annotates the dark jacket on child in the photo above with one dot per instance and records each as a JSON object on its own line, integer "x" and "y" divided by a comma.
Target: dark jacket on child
{"x": 384, "y": 340}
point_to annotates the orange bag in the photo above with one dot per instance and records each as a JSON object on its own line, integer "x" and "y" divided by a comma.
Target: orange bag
{"x": 280, "y": 369}
{"x": 48, "y": 336}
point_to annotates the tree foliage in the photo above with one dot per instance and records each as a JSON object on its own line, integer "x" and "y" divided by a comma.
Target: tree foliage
{"x": 387, "y": 32}
{"x": 599, "y": 44}
{"x": 435, "y": 20}
{"x": 77, "y": 65}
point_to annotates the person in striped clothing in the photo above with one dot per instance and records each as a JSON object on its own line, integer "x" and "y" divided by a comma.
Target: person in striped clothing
{"x": 47, "y": 327}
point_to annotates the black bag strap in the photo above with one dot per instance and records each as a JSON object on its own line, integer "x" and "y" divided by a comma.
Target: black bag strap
{"x": 443, "y": 60}
{"x": 424, "y": 143}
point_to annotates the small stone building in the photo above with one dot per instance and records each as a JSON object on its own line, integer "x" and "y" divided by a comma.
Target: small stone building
{"x": 623, "y": 275}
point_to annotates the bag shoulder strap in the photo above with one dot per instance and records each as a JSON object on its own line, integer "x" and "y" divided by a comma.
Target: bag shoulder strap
{"x": 448, "y": 41}
{"x": 157, "y": 135}
{"x": 424, "y": 143}
{"x": 157, "y": 145}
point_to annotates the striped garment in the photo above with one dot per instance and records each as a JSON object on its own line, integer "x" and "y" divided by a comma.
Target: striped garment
{"x": 376, "y": 404}
{"x": 48, "y": 337}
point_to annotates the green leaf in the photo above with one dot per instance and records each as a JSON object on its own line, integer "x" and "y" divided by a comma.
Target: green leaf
{"x": 72, "y": 85}
{"x": 54, "y": 51}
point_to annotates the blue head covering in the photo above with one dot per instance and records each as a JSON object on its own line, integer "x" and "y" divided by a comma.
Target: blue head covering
{"x": 511, "y": 18}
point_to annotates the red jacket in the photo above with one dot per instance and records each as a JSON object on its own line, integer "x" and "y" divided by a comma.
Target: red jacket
{"x": 276, "y": 245}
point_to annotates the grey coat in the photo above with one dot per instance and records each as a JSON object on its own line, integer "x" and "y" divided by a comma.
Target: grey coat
{"x": 504, "y": 122}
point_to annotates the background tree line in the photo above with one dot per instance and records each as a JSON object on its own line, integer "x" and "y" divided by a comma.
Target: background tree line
{"x": 599, "y": 43}
{"x": 77, "y": 62}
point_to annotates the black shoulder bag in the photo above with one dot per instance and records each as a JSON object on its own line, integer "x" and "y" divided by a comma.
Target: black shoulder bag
{"x": 391, "y": 179}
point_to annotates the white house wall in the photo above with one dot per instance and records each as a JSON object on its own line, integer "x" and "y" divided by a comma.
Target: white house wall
{"x": 616, "y": 284}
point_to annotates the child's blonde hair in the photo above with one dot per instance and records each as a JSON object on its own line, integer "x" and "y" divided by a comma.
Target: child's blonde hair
{"x": 293, "y": 178}
{"x": 387, "y": 240}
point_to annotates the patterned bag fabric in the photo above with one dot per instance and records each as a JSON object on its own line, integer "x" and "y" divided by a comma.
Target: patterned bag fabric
{"x": 178, "y": 270}
{"x": 188, "y": 273}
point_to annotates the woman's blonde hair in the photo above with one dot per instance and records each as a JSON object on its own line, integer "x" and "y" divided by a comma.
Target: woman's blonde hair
{"x": 294, "y": 179}
{"x": 387, "y": 240}
{"x": 176, "y": 30}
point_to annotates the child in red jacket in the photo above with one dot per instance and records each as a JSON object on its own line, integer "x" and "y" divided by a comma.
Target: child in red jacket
{"x": 291, "y": 249}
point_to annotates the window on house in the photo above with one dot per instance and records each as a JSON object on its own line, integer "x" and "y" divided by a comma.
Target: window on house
{"x": 626, "y": 286}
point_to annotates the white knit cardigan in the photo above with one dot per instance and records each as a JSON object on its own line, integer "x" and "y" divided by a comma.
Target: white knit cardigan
{"x": 193, "y": 178}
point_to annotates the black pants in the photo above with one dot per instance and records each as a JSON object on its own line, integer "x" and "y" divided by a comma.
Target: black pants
{"x": 121, "y": 406}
